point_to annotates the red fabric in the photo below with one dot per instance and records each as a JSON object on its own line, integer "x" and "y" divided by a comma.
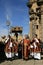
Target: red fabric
{"x": 26, "y": 44}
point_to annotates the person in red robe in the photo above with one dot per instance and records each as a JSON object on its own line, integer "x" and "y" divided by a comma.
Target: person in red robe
{"x": 26, "y": 47}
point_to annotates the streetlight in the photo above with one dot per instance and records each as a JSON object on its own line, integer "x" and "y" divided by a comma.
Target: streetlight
{"x": 8, "y": 25}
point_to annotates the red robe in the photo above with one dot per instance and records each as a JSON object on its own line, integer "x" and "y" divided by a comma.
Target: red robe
{"x": 26, "y": 44}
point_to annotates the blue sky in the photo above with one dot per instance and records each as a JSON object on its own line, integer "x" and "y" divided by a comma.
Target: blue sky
{"x": 16, "y": 12}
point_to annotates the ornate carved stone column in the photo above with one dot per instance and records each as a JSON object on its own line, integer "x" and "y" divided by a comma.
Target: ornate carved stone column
{"x": 40, "y": 4}
{"x": 42, "y": 22}
{"x": 36, "y": 18}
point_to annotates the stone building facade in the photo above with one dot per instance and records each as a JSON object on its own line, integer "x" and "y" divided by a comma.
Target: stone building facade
{"x": 36, "y": 18}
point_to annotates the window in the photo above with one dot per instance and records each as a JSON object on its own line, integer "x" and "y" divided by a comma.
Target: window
{"x": 36, "y": 26}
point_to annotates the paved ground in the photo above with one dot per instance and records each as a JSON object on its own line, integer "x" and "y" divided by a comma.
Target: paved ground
{"x": 22, "y": 62}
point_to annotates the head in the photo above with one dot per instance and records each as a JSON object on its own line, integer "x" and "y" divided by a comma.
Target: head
{"x": 9, "y": 36}
{"x": 26, "y": 37}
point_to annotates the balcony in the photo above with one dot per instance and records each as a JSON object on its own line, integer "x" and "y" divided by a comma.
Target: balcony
{"x": 29, "y": 4}
{"x": 31, "y": 18}
{"x": 40, "y": 2}
{"x": 31, "y": 11}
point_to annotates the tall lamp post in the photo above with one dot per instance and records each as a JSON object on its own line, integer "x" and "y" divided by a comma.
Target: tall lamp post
{"x": 8, "y": 25}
